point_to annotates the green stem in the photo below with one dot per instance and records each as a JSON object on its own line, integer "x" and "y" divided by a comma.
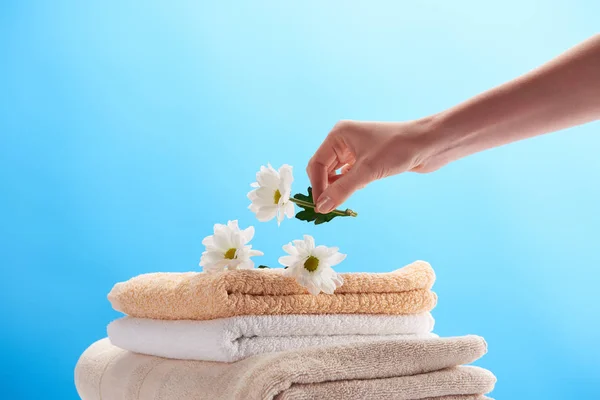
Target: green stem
{"x": 302, "y": 203}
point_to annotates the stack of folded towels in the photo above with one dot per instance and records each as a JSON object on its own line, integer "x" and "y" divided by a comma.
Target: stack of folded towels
{"x": 256, "y": 334}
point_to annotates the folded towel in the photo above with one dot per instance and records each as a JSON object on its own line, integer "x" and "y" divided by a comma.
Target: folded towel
{"x": 236, "y": 338}
{"x": 108, "y": 372}
{"x": 201, "y": 296}
{"x": 462, "y": 380}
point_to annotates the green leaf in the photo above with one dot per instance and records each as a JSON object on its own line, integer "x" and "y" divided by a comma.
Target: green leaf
{"x": 263, "y": 266}
{"x": 307, "y": 215}
{"x": 330, "y": 216}
{"x": 304, "y": 197}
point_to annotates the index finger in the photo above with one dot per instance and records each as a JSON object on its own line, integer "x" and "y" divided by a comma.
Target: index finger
{"x": 320, "y": 165}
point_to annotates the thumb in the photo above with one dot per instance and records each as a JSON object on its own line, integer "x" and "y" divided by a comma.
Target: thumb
{"x": 336, "y": 193}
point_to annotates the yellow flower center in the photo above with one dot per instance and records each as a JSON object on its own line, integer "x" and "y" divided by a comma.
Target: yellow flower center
{"x": 277, "y": 196}
{"x": 311, "y": 264}
{"x": 230, "y": 254}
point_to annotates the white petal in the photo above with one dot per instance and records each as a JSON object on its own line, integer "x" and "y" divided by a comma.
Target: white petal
{"x": 338, "y": 280}
{"x": 248, "y": 264}
{"x": 252, "y": 195}
{"x": 291, "y": 272}
{"x": 208, "y": 241}
{"x": 237, "y": 240}
{"x": 286, "y": 177}
{"x": 290, "y": 249}
{"x": 221, "y": 231}
{"x": 335, "y": 259}
{"x": 287, "y": 260}
{"x": 267, "y": 177}
{"x": 332, "y": 250}
{"x": 211, "y": 269}
{"x": 313, "y": 289}
{"x": 262, "y": 196}
{"x": 233, "y": 266}
{"x": 253, "y": 253}
{"x": 294, "y": 270}
{"x": 222, "y": 241}
{"x": 219, "y": 228}
{"x": 259, "y": 202}
{"x": 266, "y": 213}
{"x": 298, "y": 243}
{"x": 285, "y": 197}
{"x": 209, "y": 257}
{"x": 290, "y": 210}
{"x": 215, "y": 267}
{"x": 327, "y": 286}
{"x": 254, "y": 184}
{"x": 301, "y": 275}
{"x": 300, "y": 246}
{"x": 233, "y": 225}
{"x": 272, "y": 170}
{"x": 324, "y": 279}
{"x": 248, "y": 234}
{"x": 280, "y": 216}
{"x": 329, "y": 274}
{"x": 321, "y": 252}
{"x": 309, "y": 241}
{"x": 266, "y": 194}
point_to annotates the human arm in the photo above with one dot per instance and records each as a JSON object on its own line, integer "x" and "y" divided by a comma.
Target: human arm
{"x": 562, "y": 93}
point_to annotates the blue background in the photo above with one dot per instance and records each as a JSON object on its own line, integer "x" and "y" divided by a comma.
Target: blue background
{"x": 127, "y": 129}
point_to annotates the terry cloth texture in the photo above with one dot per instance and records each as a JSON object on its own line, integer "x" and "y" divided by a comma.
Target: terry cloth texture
{"x": 462, "y": 380}
{"x": 201, "y": 296}
{"x": 401, "y": 369}
{"x": 236, "y": 338}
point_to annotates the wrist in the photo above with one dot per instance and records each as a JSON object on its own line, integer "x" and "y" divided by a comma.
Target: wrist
{"x": 433, "y": 144}
{"x": 443, "y": 142}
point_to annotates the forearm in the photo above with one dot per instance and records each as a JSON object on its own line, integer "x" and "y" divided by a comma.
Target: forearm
{"x": 562, "y": 93}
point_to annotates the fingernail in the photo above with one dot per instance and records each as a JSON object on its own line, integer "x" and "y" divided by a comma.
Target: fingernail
{"x": 325, "y": 204}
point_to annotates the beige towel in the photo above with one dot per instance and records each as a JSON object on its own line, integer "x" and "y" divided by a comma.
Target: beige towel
{"x": 200, "y": 296}
{"x": 455, "y": 381}
{"x": 392, "y": 369}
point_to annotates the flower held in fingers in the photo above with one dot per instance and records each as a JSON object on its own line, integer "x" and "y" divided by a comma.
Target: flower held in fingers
{"x": 311, "y": 266}
{"x": 271, "y": 198}
{"x": 228, "y": 248}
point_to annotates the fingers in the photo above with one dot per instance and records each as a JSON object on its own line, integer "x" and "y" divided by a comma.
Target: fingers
{"x": 318, "y": 166}
{"x": 333, "y": 154}
{"x": 342, "y": 188}
{"x": 330, "y": 156}
{"x": 334, "y": 177}
{"x": 317, "y": 173}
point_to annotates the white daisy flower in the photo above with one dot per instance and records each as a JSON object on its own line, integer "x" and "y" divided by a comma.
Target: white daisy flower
{"x": 228, "y": 247}
{"x": 271, "y": 198}
{"x": 311, "y": 266}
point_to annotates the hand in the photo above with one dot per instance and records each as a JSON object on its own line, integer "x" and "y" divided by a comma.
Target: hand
{"x": 367, "y": 151}
{"x": 558, "y": 95}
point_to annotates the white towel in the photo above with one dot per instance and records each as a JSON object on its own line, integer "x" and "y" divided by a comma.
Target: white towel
{"x": 236, "y": 338}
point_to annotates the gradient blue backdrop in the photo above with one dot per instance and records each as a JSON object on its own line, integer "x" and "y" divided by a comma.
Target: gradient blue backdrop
{"x": 127, "y": 129}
